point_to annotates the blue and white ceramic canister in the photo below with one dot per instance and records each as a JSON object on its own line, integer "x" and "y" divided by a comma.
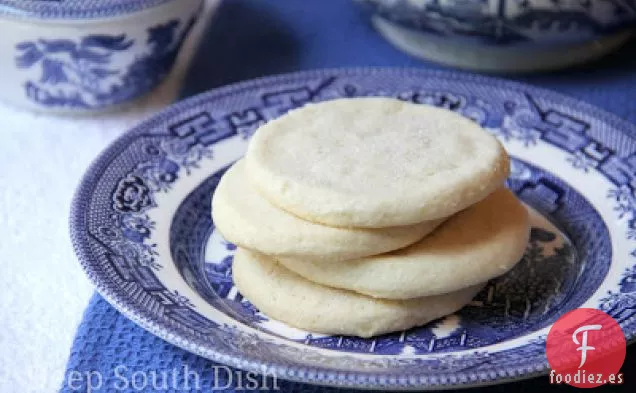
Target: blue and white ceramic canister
{"x": 505, "y": 35}
{"x": 79, "y": 55}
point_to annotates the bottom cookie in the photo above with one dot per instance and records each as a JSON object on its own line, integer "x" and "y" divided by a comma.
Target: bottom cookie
{"x": 288, "y": 297}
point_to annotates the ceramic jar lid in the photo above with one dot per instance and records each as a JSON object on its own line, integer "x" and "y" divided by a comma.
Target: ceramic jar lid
{"x": 73, "y": 9}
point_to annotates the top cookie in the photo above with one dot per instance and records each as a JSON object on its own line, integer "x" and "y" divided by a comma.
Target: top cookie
{"x": 374, "y": 162}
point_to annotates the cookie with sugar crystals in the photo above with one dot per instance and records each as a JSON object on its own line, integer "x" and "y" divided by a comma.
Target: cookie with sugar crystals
{"x": 374, "y": 162}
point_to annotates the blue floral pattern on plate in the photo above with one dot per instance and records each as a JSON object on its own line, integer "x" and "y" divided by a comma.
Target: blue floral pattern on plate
{"x": 142, "y": 229}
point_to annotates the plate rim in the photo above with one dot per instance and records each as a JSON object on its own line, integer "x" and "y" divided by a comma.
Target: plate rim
{"x": 117, "y": 299}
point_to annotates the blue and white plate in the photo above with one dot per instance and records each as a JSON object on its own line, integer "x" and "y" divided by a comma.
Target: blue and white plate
{"x": 141, "y": 226}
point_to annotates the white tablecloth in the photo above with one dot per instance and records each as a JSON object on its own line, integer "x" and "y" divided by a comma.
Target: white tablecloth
{"x": 43, "y": 289}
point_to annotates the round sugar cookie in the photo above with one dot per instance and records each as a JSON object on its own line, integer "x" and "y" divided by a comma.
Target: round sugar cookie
{"x": 287, "y": 297}
{"x": 374, "y": 162}
{"x": 247, "y": 219}
{"x": 473, "y": 246}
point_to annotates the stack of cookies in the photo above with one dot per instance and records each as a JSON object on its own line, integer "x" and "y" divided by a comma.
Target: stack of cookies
{"x": 367, "y": 216}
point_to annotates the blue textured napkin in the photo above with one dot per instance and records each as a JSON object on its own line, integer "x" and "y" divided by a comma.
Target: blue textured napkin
{"x": 253, "y": 38}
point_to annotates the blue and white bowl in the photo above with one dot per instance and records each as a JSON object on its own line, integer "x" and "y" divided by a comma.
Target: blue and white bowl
{"x": 76, "y": 55}
{"x": 505, "y": 35}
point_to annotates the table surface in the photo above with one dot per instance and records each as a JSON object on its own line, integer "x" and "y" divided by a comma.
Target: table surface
{"x": 44, "y": 156}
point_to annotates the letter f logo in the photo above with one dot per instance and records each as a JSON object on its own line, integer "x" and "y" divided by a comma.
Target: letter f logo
{"x": 583, "y": 344}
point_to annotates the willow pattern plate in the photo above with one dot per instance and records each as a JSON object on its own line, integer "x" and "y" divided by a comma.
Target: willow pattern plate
{"x": 141, "y": 227}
